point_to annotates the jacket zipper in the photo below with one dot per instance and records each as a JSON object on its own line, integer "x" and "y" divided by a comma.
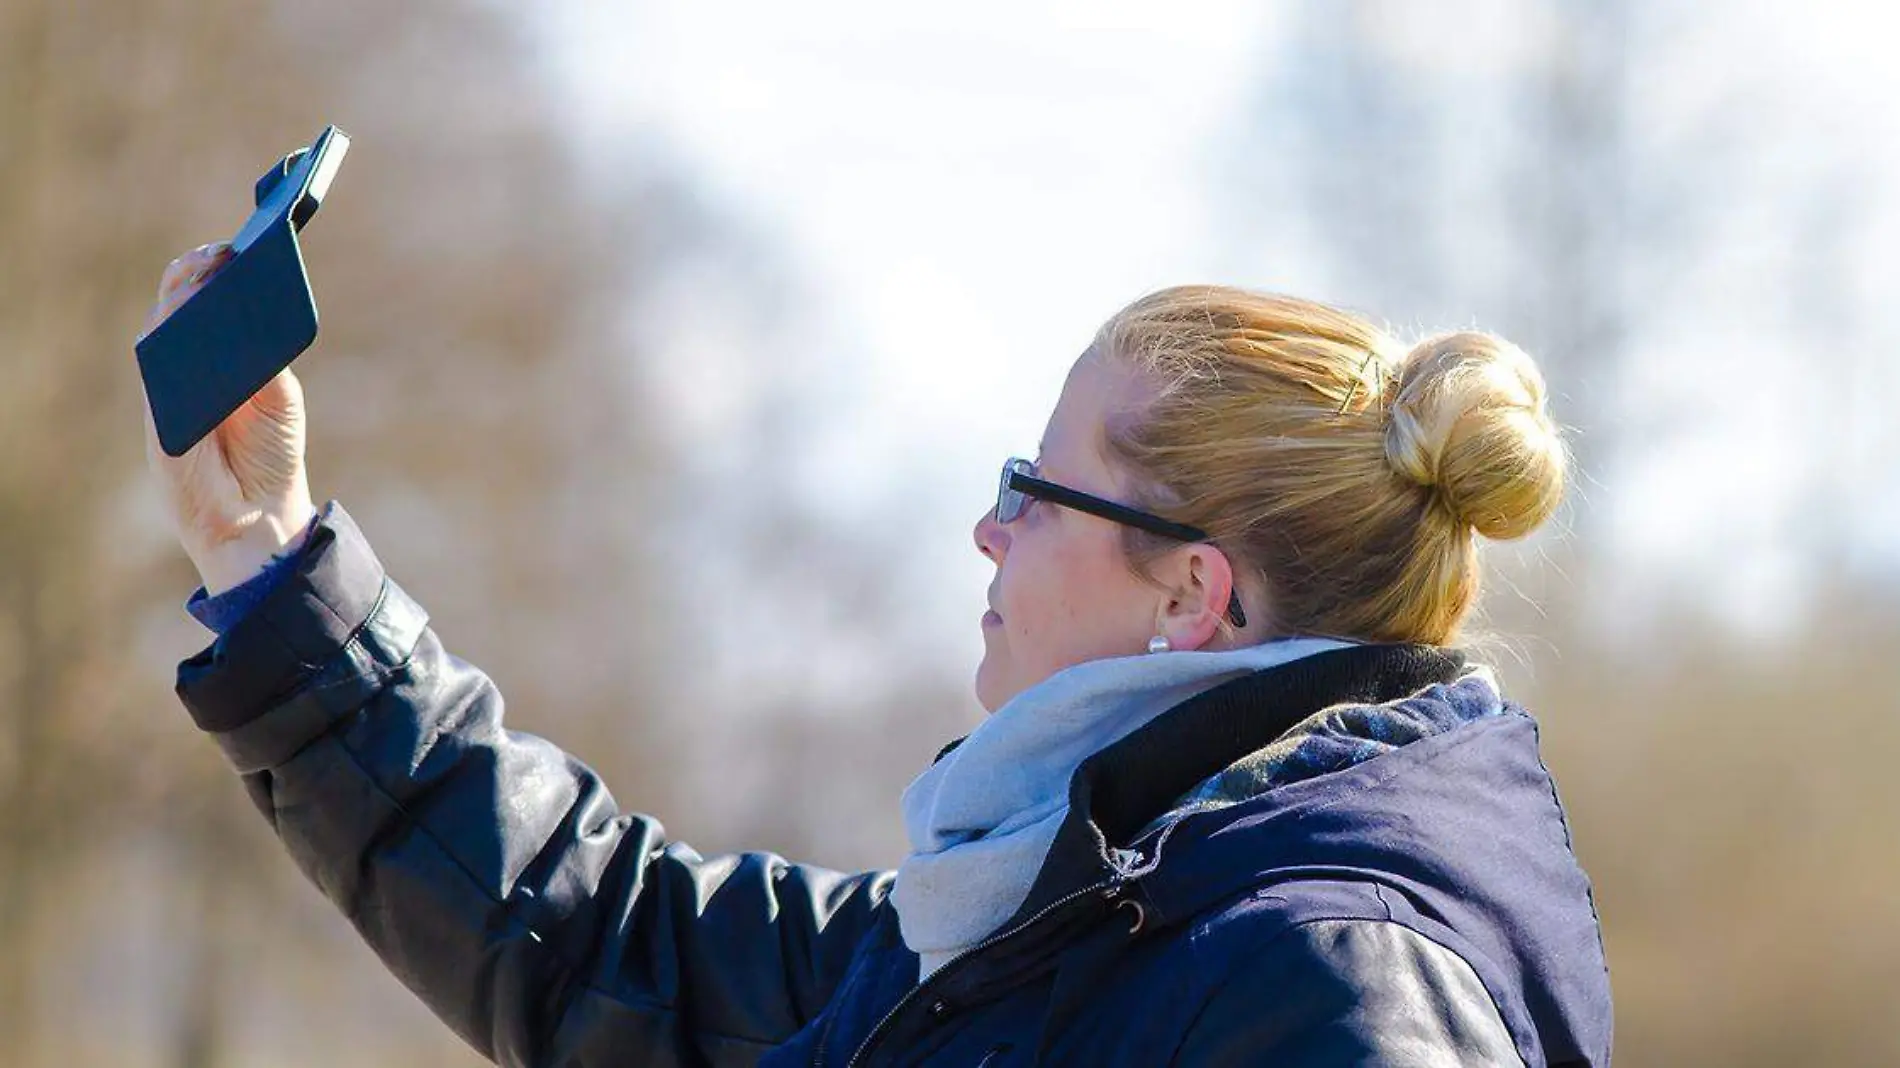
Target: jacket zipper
{"x": 917, "y": 991}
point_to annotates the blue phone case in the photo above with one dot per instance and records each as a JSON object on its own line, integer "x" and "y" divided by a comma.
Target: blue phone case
{"x": 253, "y": 317}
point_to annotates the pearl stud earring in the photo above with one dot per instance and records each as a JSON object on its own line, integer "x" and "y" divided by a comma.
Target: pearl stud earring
{"x": 1159, "y": 644}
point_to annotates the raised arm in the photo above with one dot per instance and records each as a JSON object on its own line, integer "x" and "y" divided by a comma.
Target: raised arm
{"x": 490, "y": 870}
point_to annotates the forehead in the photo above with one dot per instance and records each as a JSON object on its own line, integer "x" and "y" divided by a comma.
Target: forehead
{"x": 1097, "y": 391}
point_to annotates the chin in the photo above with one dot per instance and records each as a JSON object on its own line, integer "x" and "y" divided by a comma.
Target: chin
{"x": 987, "y": 687}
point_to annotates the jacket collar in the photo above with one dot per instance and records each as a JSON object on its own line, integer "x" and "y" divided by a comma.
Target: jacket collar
{"x": 1120, "y": 790}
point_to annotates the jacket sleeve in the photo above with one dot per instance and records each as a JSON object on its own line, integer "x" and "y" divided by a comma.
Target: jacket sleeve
{"x": 490, "y": 870}
{"x": 1338, "y": 993}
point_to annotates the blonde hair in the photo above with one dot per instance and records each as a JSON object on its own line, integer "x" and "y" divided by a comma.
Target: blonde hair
{"x": 1351, "y": 474}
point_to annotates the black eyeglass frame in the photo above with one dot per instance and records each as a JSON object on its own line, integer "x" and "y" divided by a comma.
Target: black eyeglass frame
{"x": 1019, "y": 484}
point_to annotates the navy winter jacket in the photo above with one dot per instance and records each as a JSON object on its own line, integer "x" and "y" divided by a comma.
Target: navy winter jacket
{"x": 1421, "y": 907}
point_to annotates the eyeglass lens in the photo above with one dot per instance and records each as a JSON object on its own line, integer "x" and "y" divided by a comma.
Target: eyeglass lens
{"x": 1010, "y": 501}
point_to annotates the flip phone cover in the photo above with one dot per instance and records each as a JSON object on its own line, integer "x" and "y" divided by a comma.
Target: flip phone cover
{"x": 252, "y": 318}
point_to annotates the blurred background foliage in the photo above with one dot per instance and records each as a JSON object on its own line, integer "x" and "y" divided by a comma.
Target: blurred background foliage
{"x": 513, "y": 316}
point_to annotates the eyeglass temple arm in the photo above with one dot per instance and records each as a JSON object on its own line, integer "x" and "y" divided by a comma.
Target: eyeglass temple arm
{"x": 1120, "y": 513}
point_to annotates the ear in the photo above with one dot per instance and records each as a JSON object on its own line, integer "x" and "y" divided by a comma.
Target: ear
{"x": 1198, "y": 580}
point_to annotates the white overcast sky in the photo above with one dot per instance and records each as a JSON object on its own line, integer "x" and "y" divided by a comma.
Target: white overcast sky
{"x": 964, "y": 198}
{"x": 969, "y": 197}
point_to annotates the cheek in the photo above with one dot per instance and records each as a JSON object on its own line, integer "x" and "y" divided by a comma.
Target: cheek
{"x": 1065, "y": 602}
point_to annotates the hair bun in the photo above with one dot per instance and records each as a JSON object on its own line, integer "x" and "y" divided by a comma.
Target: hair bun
{"x": 1468, "y": 419}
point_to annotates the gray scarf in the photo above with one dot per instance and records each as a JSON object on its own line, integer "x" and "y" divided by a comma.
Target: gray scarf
{"x": 981, "y": 820}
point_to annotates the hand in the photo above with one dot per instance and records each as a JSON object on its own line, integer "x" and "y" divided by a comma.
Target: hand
{"x": 241, "y": 495}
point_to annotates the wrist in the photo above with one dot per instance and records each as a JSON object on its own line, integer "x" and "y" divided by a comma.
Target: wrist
{"x": 249, "y": 549}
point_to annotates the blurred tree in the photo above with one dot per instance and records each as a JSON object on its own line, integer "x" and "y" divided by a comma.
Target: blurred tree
{"x": 1339, "y": 130}
{"x": 1427, "y": 181}
{"x": 1733, "y": 807}
{"x": 1586, "y": 178}
{"x": 831, "y": 692}
{"x": 474, "y": 399}
{"x": 1566, "y": 195}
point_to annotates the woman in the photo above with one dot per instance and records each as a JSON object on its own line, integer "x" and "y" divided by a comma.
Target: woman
{"x": 1238, "y": 802}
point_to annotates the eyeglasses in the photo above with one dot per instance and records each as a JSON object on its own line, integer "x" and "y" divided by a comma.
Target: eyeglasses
{"x": 1020, "y": 485}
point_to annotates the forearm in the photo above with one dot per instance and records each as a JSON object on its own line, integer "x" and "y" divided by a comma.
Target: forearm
{"x": 325, "y": 700}
{"x": 474, "y": 861}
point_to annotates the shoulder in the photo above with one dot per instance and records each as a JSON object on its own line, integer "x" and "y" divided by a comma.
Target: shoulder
{"x": 1347, "y": 991}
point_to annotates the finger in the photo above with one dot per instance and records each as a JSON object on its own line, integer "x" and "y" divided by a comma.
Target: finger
{"x": 280, "y": 397}
{"x": 183, "y": 279}
{"x": 194, "y": 263}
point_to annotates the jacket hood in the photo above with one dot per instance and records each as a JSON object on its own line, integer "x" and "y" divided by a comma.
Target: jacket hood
{"x": 1461, "y": 833}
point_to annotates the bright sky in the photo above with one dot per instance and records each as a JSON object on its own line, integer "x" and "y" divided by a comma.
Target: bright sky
{"x": 970, "y": 198}
{"x": 965, "y": 199}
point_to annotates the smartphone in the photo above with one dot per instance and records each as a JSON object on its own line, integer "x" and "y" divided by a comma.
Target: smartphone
{"x": 251, "y": 318}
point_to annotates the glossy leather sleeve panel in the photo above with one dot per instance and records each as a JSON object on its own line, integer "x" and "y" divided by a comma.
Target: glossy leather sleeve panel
{"x": 1351, "y": 993}
{"x": 491, "y": 871}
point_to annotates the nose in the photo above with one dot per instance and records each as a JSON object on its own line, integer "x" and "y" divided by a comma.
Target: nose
{"x": 991, "y": 539}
